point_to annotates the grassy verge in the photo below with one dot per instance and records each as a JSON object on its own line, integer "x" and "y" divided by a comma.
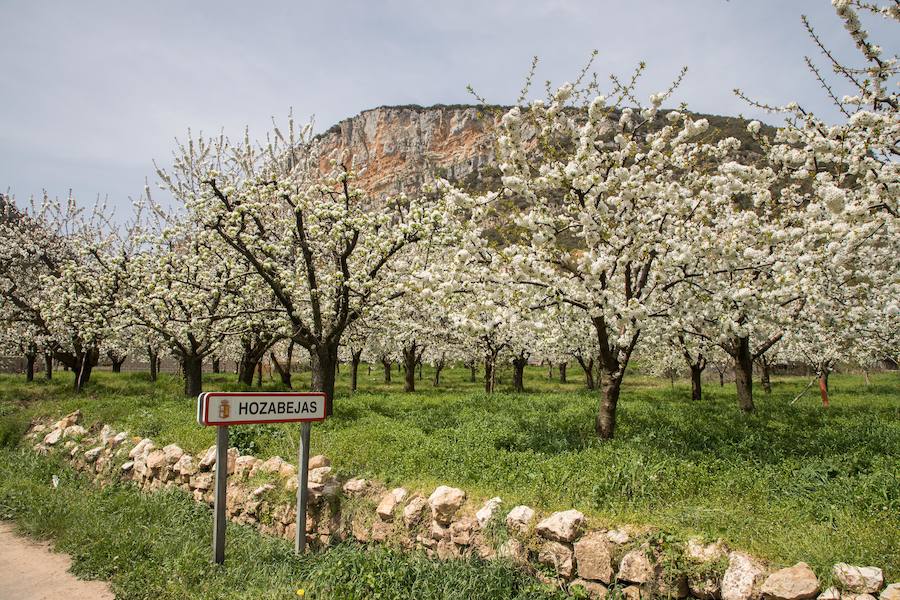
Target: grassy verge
{"x": 791, "y": 482}
{"x": 156, "y": 546}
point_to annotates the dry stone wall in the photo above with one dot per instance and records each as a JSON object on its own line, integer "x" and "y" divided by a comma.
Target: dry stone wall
{"x": 559, "y": 548}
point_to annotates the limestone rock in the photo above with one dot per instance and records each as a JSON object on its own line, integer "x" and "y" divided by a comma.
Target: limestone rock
{"x": 486, "y": 512}
{"x": 385, "y": 509}
{"x": 53, "y": 437}
{"x": 563, "y": 526}
{"x": 127, "y": 466}
{"x": 287, "y": 470}
{"x": 831, "y": 593}
{"x": 618, "y": 536}
{"x": 891, "y": 592}
{"x": 702, "y": 553}
{"x": 185, "y": 466}
{"x": 74, "y": 431}
{"x": 412, "y": 512}
{"x": 262, "y": 490}
{"x": 463, "y": 530}
{"x": 558, "y": 556}
{"x": 243, "y": 465}
{"x": 444, "y": 502}
{"x": 594, "y": 590}
{"x": 173, "y": 452}
{"x": 636, "y": 592}
{"x": 202, "y": 481}
{"x": 594, "y": 557}
{"x": 318, "y": 461}
{"x": 156, "y": 459}
{"x": 92, "y": 454}
{"x": 741, "y": 578}
{"x": 520, "y": 518}
{"x": 636, "y": 567}
{"x": 860, "y": 580}
{"x": 70, "y": 419}
{"x": 355, "y": 487}
{"x": 319, "y": 474}
{"x": 439, "y": 531}
{"x": 793, "y": 583}
{"x": 145, "y": 444}
{"x": 381, "y": 531}
{"x": 118, "y": 439}
{"x": 209, "y": 459}
{"x": 512, "y": 549}
{"x": 446, "y": 550}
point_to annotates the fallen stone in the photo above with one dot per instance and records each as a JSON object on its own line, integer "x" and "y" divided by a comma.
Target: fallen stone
{"x": 592, "y": 588}
{"x": 558, "y": 556}
{"x": 636, "y": 567}
{"x": 412, "y": 512}
{"x": 563, "y": 526}
{"x": 127, "y": 466}
{"x": 594, "y": 557}
{"x": 355, "y": 487}
{"x": 860, "y": 580}
{"x": 850, "y": 596}
{"x": 704, "y": 553}
{"x": 381, "y": 531}
{"x": 520, "y": 518}
{"x": 635, "y": 592}
{"x": 262, "y": 490}
{"x": 118, "y": 439}
{"x": 70, "y": 419}
{"x": 741, "y": 578}
{"x": 446, "y": 550}
{"x": 439, "y": 532}
{"x": 486, "y": 512}
{"x": 444, "y": 502}
{"x": 793, "y": 583}
{"x": 201, "y": 481}
{"x": 185, "y": 466}
{"x": 287, "y": 470}
{"x": 831, "y": 593}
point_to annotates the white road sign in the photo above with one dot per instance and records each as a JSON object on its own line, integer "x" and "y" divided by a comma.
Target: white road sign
{"x": 242, "y": 408}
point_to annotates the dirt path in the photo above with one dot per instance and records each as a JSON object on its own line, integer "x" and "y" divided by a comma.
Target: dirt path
{"x": 30, "y": 571}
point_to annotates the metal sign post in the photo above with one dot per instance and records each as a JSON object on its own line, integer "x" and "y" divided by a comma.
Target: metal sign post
{"x": 221, "y": 409}
{"x": 302, "y": 489}
{"x": 219, "y": 517}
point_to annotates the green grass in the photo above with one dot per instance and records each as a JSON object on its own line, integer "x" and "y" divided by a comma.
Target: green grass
{"x": 156, "y": 546}
{"x": 789, "y": 483}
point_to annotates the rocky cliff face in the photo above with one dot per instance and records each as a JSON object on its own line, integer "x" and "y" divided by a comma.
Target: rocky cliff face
{"x": 397, "y": 149}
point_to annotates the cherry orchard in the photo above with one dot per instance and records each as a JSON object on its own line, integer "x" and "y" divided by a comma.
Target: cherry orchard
{"x": 327, "y": 252}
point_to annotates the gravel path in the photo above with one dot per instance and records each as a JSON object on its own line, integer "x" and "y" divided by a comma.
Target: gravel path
{"x": 30, "y": 571}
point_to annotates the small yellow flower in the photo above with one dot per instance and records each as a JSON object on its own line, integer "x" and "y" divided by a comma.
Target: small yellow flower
{"x": 301, "y": 592}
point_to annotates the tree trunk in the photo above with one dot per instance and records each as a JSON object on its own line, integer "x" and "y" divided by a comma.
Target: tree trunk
{"x": 215, "y": 364}
{"x": 866, "y": 377}
{"x": 192, "y": 369}
{"x": 743, "y": 373}
{"x": 438, "y": 367}
{"x": 473, "y": 371}
{"x": 387, "y": 369}
{"x": 154, "y": 365}
{"x": 765, "y": 379}
{"x": 421, "y": 370}
{"x": 30, "y": 358}
{"x": 409, "y": 367}
{"x": 519, "y": 363}
{"x": 605, "y": 425}
{"x": 323, "y": 363}
{"x": 490, "y": 364}
{"x": 355, "y": 359}
{"x": 696, "y": 383}
{"x": 48, "y": 366}
{"x": 117, "y": 364}
{"x": 259, "y": 374}
{"x": 588, "y": 367}
{"x": 721, "y": 378}
{"x": 284, "y": 370}
{"x": 549, "y": 370}
{"x": 247, "y": 370}
{"x": 561, "y": 367}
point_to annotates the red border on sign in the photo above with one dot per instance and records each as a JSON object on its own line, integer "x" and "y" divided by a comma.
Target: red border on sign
{"x": 209, "y": 395}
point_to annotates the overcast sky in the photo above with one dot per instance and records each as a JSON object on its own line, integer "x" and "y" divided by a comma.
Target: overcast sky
{"x": 91, "y": 92}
